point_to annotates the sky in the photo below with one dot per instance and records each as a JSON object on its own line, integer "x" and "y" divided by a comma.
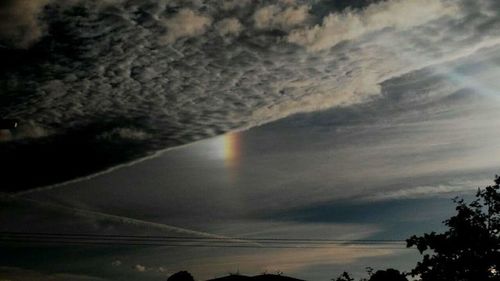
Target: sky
{"x": 255, "y": 119}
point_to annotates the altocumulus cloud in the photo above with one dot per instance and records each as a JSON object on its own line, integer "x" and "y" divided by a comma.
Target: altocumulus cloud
{"x": 140, "y": 268}
{"x": 103, "y": 77}
{"x": 19, "y": 23}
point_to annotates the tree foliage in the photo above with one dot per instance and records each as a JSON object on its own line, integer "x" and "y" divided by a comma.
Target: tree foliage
{"x": 470, "y": 249}
{"x": 380, "y": 275}
{"x": 388, "y": 275}
{"x": 344, "y": 277}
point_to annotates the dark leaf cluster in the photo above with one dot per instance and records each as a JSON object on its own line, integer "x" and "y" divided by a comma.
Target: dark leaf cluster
{"x": 470, "y": 249}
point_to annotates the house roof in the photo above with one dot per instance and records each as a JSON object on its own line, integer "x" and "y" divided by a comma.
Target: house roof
{"x": 262, "y": 277}
{"x": 232, "y": 277}
{"x": 274, "y": 277}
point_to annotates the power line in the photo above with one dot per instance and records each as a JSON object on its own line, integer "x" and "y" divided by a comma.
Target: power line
{"x": 177, "y": 241}
{"x": 197, "y": 241}
{"x": 249, "y": 239}
{"x": 114, "y": 243}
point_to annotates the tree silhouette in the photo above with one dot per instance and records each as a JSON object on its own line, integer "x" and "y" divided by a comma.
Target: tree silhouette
{"x": 470, "y": 249}
{"x": 344, "y": 277}
{"x": 388, "y": 275}
{"x": 381, "y": 275}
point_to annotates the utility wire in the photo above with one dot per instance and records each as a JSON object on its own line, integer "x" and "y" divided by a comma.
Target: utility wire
{"x": 107, "y": 243}
{"x": 198, "y": 241}
{"x": 149, "y": 237}
{"x": 176, "y": 241}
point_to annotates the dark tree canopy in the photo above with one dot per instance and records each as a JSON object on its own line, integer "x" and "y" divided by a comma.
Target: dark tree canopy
{"x": 388, "y": 275}
{"x": 344, "y": 277}
{"x": 381, "y": 275}
{"x": 470, "y": 249}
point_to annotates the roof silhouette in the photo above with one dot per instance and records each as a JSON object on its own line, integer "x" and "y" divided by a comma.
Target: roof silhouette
{"x": 232, "y": 277}
{"x": 274, "y": 277}
{"x": 261, "y": 277}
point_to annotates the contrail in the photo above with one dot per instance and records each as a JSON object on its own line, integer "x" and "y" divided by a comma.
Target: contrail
{"x": 123, "y": 219}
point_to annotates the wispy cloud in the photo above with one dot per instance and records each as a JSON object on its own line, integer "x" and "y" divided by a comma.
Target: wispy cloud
{"x": 291, "y": 260}
{"x": 452, "y": 189}
{"x": 120, "y": 220}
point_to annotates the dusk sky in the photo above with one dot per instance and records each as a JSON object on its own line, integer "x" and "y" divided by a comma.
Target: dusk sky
{"x": 288, "y": 119}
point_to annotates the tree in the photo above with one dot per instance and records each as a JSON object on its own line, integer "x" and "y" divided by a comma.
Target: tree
{"x": 387, "y": 275}
{"x": 470, "y": 249}
{"x": 344, "y": 277}
{"x": 381, "y": 275}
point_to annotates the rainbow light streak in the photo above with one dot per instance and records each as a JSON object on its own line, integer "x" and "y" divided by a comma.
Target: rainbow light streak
{"x": 232, "y": 150}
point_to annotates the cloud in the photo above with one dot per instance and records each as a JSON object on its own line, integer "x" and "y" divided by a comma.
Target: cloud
{"x": 284, "y": 18}
{"x": 235, "y": 4}
{"x": 140, "y": 268}
{"x": 229, "y": 26}
{"x": 205, "y": 263}
{"x": 350, "y": 25}
{"x": 29, "y": 129}
{"x": 19, "y": 22}
{"x": 125, "y": 133}
{"x": 293, "y": 260}
{"x": 288, "y": 260}
{"x": 426, "y": 191}
{"x": 186, "y": 23}
{"x": 122, "y": 220}
{"x": 161, "y": 68}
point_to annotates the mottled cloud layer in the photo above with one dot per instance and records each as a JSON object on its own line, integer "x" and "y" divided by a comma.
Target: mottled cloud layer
{"x": 398, "y": 15}
{"x": 140, "y": 76}
{"x": 19, "y": 22}
{"x": 185, "y": 23}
